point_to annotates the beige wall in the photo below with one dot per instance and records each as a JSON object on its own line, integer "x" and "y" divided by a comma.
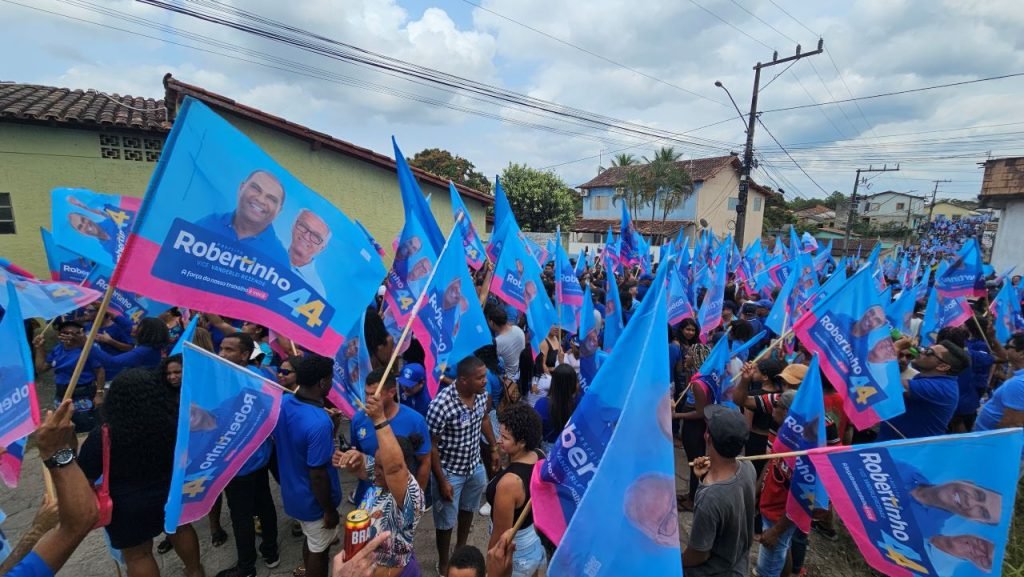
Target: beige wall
{"x": 713, "y": 206}
{"x": 950, "y": 210}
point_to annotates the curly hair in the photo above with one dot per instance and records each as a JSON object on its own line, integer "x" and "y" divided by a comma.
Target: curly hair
{"x": 161, "y": 371}
{"x": 142, "y": 417}
{"x": 410, "y": 445}
{"x": 523, "y": 423}
{"x": 153, "y": 333}
{"x": 311, "y": 369}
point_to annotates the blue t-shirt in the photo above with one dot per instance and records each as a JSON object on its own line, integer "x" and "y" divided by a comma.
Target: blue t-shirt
{"x": 63, "y": 362}
{"x": 142, "y": 356}
{"x": 405, "y": 423}
{"x": 675, "y": 353}
{"x": 266, "y": 243}
{"x": 258, "y": 459}
{"x": 974, "y": 379}
{"x": 120, "y": 330}
{"x": 543, "y": 408}
{"x": 305, "y": 440}
{"x": 418, "y": 402}
{"x": 930, "y": 403}
{"x": 31, "y": 566}
{"x": 1009, "y": 395}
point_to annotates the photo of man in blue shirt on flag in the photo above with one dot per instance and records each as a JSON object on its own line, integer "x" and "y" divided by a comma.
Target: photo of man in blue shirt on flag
{"x": 260, "y": 198}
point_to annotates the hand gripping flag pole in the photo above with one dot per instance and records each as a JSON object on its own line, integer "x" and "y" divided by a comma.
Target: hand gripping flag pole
{"x": 416, "y": 307}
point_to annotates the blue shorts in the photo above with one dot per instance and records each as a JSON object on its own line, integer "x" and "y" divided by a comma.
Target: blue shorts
{"x": 467, "y": 490}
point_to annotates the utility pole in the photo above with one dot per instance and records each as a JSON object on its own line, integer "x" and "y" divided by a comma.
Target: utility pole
{"x": 851, "y": 214}
{"x": 748, "y": 152}
{"x": 935, "y": 191}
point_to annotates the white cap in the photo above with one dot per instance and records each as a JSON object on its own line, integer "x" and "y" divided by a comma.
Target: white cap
{"x": 381, "y": 290}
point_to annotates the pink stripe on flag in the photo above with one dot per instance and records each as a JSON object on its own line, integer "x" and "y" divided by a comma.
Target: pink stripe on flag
{"x": 548, "y": 516}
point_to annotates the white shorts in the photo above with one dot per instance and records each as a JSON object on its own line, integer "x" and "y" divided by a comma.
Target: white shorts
{"x": 318, "y": 538}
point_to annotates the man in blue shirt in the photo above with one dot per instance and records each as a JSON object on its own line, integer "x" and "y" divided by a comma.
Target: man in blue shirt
{"x": 260, "y": 198}
{"x": 249, "y": 492}
{"x": 413, "y": 383}
{"x": 310, "y": 487}
{"x": 931, "y": 396}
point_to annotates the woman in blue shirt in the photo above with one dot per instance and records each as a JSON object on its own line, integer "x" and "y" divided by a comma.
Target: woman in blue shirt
{"x": 62, "y": 360}
{"x": 150, "y": 339}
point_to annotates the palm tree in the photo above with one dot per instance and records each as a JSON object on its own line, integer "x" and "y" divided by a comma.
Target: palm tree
{"x": 624, "y": 160}
{"x": 663, "y": 174}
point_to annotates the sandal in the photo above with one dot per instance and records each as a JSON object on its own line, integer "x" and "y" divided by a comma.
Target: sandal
{"x": 219, "y": 537}
{"x": 164, "y": 546}
{"x": 299, "y": 571}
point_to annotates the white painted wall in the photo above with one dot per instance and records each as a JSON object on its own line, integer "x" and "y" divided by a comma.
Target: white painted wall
{"x": 1009, "y": 246}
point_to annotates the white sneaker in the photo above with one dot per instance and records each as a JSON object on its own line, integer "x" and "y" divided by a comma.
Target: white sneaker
{"x": 485, "y": 510}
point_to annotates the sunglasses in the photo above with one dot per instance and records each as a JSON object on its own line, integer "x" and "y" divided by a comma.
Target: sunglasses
{"x": 929, "y": 352}
{"x": 284, "y": 372}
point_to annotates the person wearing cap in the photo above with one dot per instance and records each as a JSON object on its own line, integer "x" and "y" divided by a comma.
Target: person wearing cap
{"x": 62, "y": 360}
{"x": 728, "y": 314}
{"x": 778, "y": 530}
{"x": 723, "y": 515}
{"x": 412, "y": 388}
{"x": 764, "y": 307}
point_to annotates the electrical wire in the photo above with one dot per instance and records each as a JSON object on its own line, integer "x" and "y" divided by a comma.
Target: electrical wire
{"x": 797, "y": 164}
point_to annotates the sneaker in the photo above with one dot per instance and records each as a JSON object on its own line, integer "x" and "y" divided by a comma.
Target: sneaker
{"x": 825, "y": 531}
{"x": 485, "y": 510}
{"x": 164, "y": 546}
{"x": 272, "y": 562}
{"x": 236, "y": 572}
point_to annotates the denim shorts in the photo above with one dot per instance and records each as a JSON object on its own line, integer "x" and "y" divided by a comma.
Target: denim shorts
{"x": 771, "y": 560}
{"x": 467, "y": 490}
{"x": 529, "y": 553}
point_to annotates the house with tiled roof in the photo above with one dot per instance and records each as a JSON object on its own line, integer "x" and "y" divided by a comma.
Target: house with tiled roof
{"x": 818, "y": 216}
{"x": 714, "y": 199}
{"x": 1002, "y": 188}
{"x": 59, "y": 137}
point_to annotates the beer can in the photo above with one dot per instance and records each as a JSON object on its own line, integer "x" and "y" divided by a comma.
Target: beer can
{"x": 357, "y": 532}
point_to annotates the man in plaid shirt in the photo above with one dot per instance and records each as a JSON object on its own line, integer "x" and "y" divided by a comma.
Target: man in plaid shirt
{"x": 454, "y": 418}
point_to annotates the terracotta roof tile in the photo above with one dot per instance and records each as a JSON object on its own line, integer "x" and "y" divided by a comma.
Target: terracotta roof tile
{"x": 34, "y": 103}
{"x": 699, "y": 169}
{"x": 645, "y": 227}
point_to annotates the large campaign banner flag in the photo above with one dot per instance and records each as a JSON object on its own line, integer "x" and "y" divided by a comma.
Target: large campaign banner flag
{"x": 629, "y": 248}
{"x": 679, "y": 307}
{"x": 64, "y": 265}
{"x": 417, "y": 206}
{"x": 224, "y": 228}
{"x": 517, "y": 281}
{"x": 568, "y": 293}
{"x": 1005, "y": 309}
{"x": 709, "y": 315}
{"x": 613, "y": 323}
{"x": 19, "y": 407}
{"x": 351, "y": 365}
{"x": 803, "y": 429}
{"x": 852, "y": 337}
{"x": 226, "y": 413}
{"x": 965, "y": 276}
{"x": 414, "y": 259}
{"x": 450, "y": 325}
{"x": 471, "y": 243}
{"x": 626, "y": 522}
{"x": 44, "y": 299}
{"x": 942, "y": 312}
{"x": 786, "y": 305}
{"x": 561, "y": 480}
{"x": 911, "y": 513}
{"x": 589, "y": 339}
{"x": 502, "y": 214}
{"x": 94, "y": 224}
{"x": 123, "y": 302}
{"x": 712, "y": 374}
{"x": 901, "y": 311}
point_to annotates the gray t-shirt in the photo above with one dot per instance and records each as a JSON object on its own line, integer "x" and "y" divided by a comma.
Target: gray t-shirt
{"x": 723, "y": 523}
{"x": 510, "y": 345}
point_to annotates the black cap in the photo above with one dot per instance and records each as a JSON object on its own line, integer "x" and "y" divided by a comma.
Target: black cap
{"x": 728, "y": 430}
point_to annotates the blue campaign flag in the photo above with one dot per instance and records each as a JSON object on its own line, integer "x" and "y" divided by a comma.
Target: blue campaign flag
{"x": 921, "y": 290}
{"x": 589, "y": 341}
{"x": 581, "y": 264}
{"x": 549, "y": 249}
{"x": 965, "y": 276}
{"x": 913, "y": 514}
{"x": 538, "y": 253}
{"x": 741, "y": 348}
{"x": 785, "y": 307}
{"x": 568, "y": 293}
{"x": 369, "y": 238}
{"x": 11, "y": 461}
{"x": 942, "y": 312}
{"x": 351, "y": 366}
{"x": 94, "y": 224}
{"x": 886, "y": 295}
{"x": 225, "y": 414}
{"x": 626, "y": 522}
{"x": 415, "y": 204}
{"x": 186, "y": 335}
{"x": 44, "y": 299}
{"x": 629, "y": 250}
{"x": 122, "y": 302}
{"x": 853, "y": 339}
{"x": 712, "y": 376}
{"x": 1005, "y": 309}
{"x": 709, "y": 315}
{"x": 19, "y": 407}
{"x": 502, "y": 215}
{"x": 827, "y": 288}
{"x": 679, "y": 307}
{"x": 450, "y": 325}
{"x": 803, "y": 429}
{"x": 637, "y": 368}
{"x": 471, "y": 243}
{"x": 613, "y": 323}
{"x": 900, "y": 311}
{"x": 517, "y": 281}
{"x": 64, "y": 265}
{"x": 226, "y": 229}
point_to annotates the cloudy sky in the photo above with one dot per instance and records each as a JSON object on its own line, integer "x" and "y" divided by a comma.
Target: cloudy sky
{"x": 649, "y": 66}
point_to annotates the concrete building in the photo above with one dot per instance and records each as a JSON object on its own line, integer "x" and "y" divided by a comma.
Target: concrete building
{"x": 1002, "y": 188}
{"x": 897, "y": 209}
{"x": 714, "y": 199}
{"x": 951, "y": 210}
{"x": 817, "y": 216}
{"x": 58, "y": 137}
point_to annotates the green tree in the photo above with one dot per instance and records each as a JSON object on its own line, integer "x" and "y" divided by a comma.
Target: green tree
{"x": 624, "y": 160}
{"x": 776, "y": 214}
{"x": 667, "y": 181}
{"x": 451, "y": 167}
{"x": 540, "y": 200}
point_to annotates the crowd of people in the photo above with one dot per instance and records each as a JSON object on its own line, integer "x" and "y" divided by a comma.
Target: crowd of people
{"x": 941, "y": 238}
{"x": 471, "y": 449}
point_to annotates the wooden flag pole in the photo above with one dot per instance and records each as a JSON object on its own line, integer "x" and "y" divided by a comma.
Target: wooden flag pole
{"x": 90, "y": 339}
{"x": 682, "y": 395}
{"x": 487, "y": 282}
{"x": 416, "y": 307}
{"x": 522, "y": 516}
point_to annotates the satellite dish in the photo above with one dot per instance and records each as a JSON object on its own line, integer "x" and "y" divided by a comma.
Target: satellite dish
{"x": 731, "y": 225}
{"x": 703, "y": 223}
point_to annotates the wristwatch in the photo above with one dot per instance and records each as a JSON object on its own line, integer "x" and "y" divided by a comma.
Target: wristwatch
{"x": 62, "y": 458}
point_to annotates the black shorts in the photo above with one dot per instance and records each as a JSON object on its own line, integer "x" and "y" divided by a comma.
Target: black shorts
{"x": 138, "y": 516}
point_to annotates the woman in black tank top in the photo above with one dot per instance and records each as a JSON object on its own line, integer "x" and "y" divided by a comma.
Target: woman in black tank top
{"x": 509, "y": 490}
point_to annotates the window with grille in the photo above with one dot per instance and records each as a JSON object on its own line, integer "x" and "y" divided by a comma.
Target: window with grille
{"x": 131, "y": 148}
{"x": 6, "y": 214}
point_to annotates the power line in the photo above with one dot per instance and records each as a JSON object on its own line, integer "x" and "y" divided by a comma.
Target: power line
{"x": 756, "y": 17}
{"x": 730, "y": 24}
{"x": 809, "y": 177}
{"x": 794, "y": 18}
{"x": 899, "y": 92}
{"x": 594, "y": 54}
